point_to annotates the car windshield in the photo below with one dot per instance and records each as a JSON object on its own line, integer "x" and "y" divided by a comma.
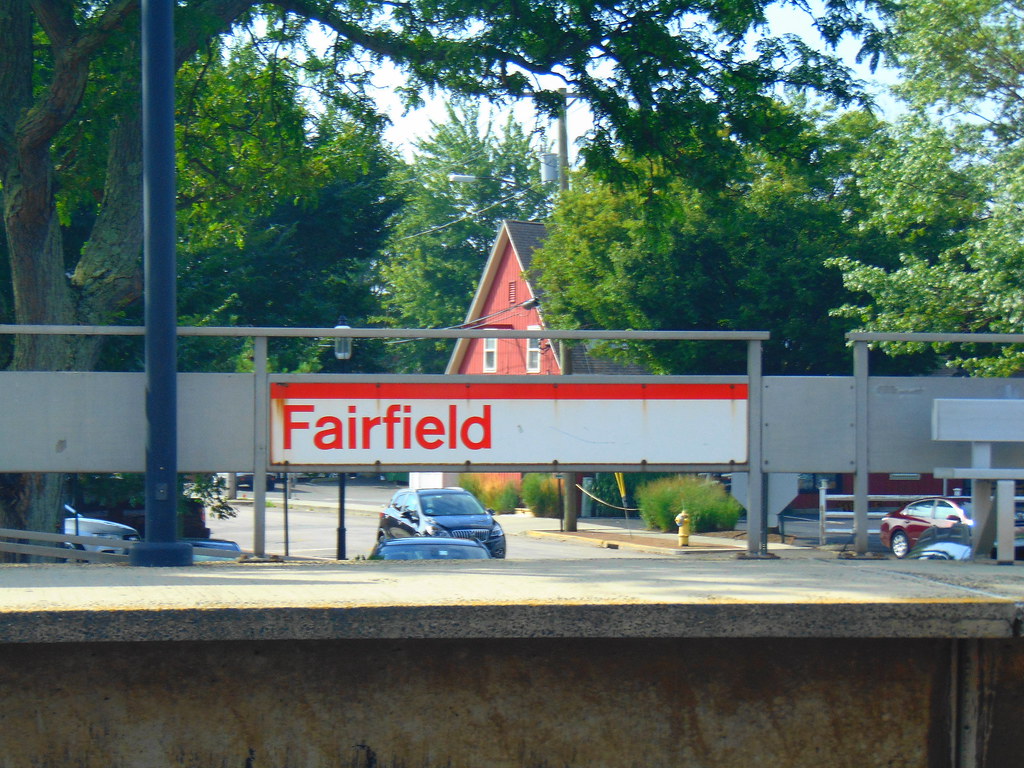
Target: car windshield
{"x": 433, "y": 552}
{"x": 450, "y": 504}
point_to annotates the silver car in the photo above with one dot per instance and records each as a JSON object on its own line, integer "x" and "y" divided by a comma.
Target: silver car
{"x": 101, "y": 529}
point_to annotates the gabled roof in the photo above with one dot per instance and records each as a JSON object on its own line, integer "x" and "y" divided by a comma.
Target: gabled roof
{"x": 524, "y": 237}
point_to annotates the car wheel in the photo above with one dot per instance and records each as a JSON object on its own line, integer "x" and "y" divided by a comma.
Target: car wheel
{"x": 899, "y": 544}
{"x": 72, "y": 547}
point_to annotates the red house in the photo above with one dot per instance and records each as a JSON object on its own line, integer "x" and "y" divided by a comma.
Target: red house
{"x": 504, "y": 299}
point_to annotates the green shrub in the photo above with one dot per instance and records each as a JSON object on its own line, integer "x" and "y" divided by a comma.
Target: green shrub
{"x": 606, "y": 488}
{"x": 497, "y": 493}
{"x": 506, "y": 499}
{"x": 473, "y": 484}
{"x": 707, "y": 502}
{"x": 541, "y": 494}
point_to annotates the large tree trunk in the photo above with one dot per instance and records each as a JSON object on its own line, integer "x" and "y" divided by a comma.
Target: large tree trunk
{"x": 108, "y": 274}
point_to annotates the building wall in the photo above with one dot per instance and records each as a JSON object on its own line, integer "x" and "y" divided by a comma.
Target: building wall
{"x": 508, "y": 290}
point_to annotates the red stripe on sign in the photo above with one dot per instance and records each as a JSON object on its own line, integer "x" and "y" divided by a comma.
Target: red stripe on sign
{"x": 501, "y": 391}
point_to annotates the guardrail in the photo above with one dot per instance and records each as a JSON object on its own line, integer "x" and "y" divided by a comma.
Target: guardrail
{"x": 59, "y": 546}
{"x": 826, "y": 516}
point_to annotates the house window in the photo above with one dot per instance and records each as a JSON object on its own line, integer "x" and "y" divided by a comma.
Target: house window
{"x": 810, "y": 483}
{"x": 490, "y": 355}
{"x": 512, "y": 293}
{"x": 533, "y": 352}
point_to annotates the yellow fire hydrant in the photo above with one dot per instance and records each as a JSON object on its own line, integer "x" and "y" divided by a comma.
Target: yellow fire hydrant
{"x": 683, "y": 521}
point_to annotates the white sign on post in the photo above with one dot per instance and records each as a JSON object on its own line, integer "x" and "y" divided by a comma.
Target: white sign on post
{"x": 325, "y": 423}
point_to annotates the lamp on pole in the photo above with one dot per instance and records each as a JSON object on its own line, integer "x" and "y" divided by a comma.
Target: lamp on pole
{"x": 342, "y": 345}
{"x": 342, "y": 351}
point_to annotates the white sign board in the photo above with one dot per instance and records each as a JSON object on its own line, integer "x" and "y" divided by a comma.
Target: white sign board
{"x": 979, "y": 421}
{"x": 402, "y": 424}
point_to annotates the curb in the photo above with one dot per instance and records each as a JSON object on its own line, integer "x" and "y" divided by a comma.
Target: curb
{"x": 610, "y": 544}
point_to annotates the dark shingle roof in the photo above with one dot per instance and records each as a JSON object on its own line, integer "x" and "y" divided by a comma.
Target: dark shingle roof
{"x": 526, "y": 237}
{"x": 584, "y": 362}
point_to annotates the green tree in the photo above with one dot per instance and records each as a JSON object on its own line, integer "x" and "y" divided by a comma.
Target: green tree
{"x": 664, "y": 79}
{"x": 290, "y": 211}
{"x": 947, "y": 181}
{"x": 966, "y": 58}
{"x": 443, "y": 235}
{"x": 751, "y": 256}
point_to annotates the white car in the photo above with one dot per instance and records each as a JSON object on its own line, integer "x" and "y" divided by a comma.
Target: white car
{"x": 104, "y": 529}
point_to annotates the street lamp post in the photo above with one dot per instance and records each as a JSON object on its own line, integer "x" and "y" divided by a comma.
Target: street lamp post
{"x": 342, "y": 351}
{"x": 160, "y": 547}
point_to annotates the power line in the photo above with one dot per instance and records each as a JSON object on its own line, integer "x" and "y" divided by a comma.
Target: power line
{"x": 468, "y": 215}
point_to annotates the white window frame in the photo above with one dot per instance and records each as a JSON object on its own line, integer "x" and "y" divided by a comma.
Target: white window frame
{"x": 490, "y": 355}
{"x": 533, "y": 352}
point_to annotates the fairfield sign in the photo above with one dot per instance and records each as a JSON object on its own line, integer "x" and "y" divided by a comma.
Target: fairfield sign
{"x": 547, "y": 420}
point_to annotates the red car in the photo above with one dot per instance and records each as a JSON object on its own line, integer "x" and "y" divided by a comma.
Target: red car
{"x": 900, "y": 530}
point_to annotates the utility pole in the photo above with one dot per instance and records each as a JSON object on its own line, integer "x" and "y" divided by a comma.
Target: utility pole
{"x": 570, "y": 506}
{"x": 563, "y": 142}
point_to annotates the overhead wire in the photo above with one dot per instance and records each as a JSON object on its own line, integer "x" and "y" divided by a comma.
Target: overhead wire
{"x": 469, "y": 214}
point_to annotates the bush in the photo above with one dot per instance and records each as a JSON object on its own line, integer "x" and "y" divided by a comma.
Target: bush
{"x": 541, "y": 495}
{"x": 473, "y": 484}
{"x": 709, "y": 505}
{"x": 606, "y": 488}
{"x": 497, "y": 493}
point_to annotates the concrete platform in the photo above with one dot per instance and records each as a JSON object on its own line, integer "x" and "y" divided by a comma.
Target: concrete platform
{"x": 803, "y": 594}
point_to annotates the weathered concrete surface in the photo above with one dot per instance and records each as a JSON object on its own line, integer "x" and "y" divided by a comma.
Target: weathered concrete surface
{"x": 800, "y": 596}
{"x": 803, "y": 661}
{"x": 565, "y": 702}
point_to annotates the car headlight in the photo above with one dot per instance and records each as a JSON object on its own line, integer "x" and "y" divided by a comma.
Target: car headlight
{"x": 432, "y": 529}
{"x": 969, "y": 522}
{"x": 496, "y": 532}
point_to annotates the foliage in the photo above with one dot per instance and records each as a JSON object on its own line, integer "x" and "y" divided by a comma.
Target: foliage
{"x": 208, "y": 490}
{"x": 542, "y": 494}
{"x": 289, "y": 210}
{"x": 948, "y": 177}
{"x": 606, "y": 488}
{"x": 668, "y": 255}
{"x": 123, "y": 491}
{"x": 443, "y": 234}
{"x": 499, "y": 494}
{"x": 966, "y": 59}
{"x": 706, "y": 501}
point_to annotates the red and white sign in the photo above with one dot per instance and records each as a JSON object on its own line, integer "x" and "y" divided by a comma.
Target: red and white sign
{"x": 325, "y": 423}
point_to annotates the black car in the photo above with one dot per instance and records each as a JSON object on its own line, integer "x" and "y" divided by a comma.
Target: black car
{"x": 452, "y": 512}
{"x": 429, "y": 548}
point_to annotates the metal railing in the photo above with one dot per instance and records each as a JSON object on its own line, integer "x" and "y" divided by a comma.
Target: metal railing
{"x": 60, "y": 547}
{"x": 827, "y": 517}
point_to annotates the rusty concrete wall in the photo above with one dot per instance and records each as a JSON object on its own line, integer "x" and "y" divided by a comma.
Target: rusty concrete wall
{"x": 540, "y": 703}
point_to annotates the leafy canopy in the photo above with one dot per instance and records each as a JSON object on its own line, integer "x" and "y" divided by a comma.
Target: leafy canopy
{"x": 947, "y": 179}
{"x": 670, "y": 255}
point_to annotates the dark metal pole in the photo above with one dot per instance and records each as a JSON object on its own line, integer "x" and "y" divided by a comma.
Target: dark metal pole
{"x": 160, "y": 547}
{"x": 286, "y": 476}
{"x": 341, "y": 516}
